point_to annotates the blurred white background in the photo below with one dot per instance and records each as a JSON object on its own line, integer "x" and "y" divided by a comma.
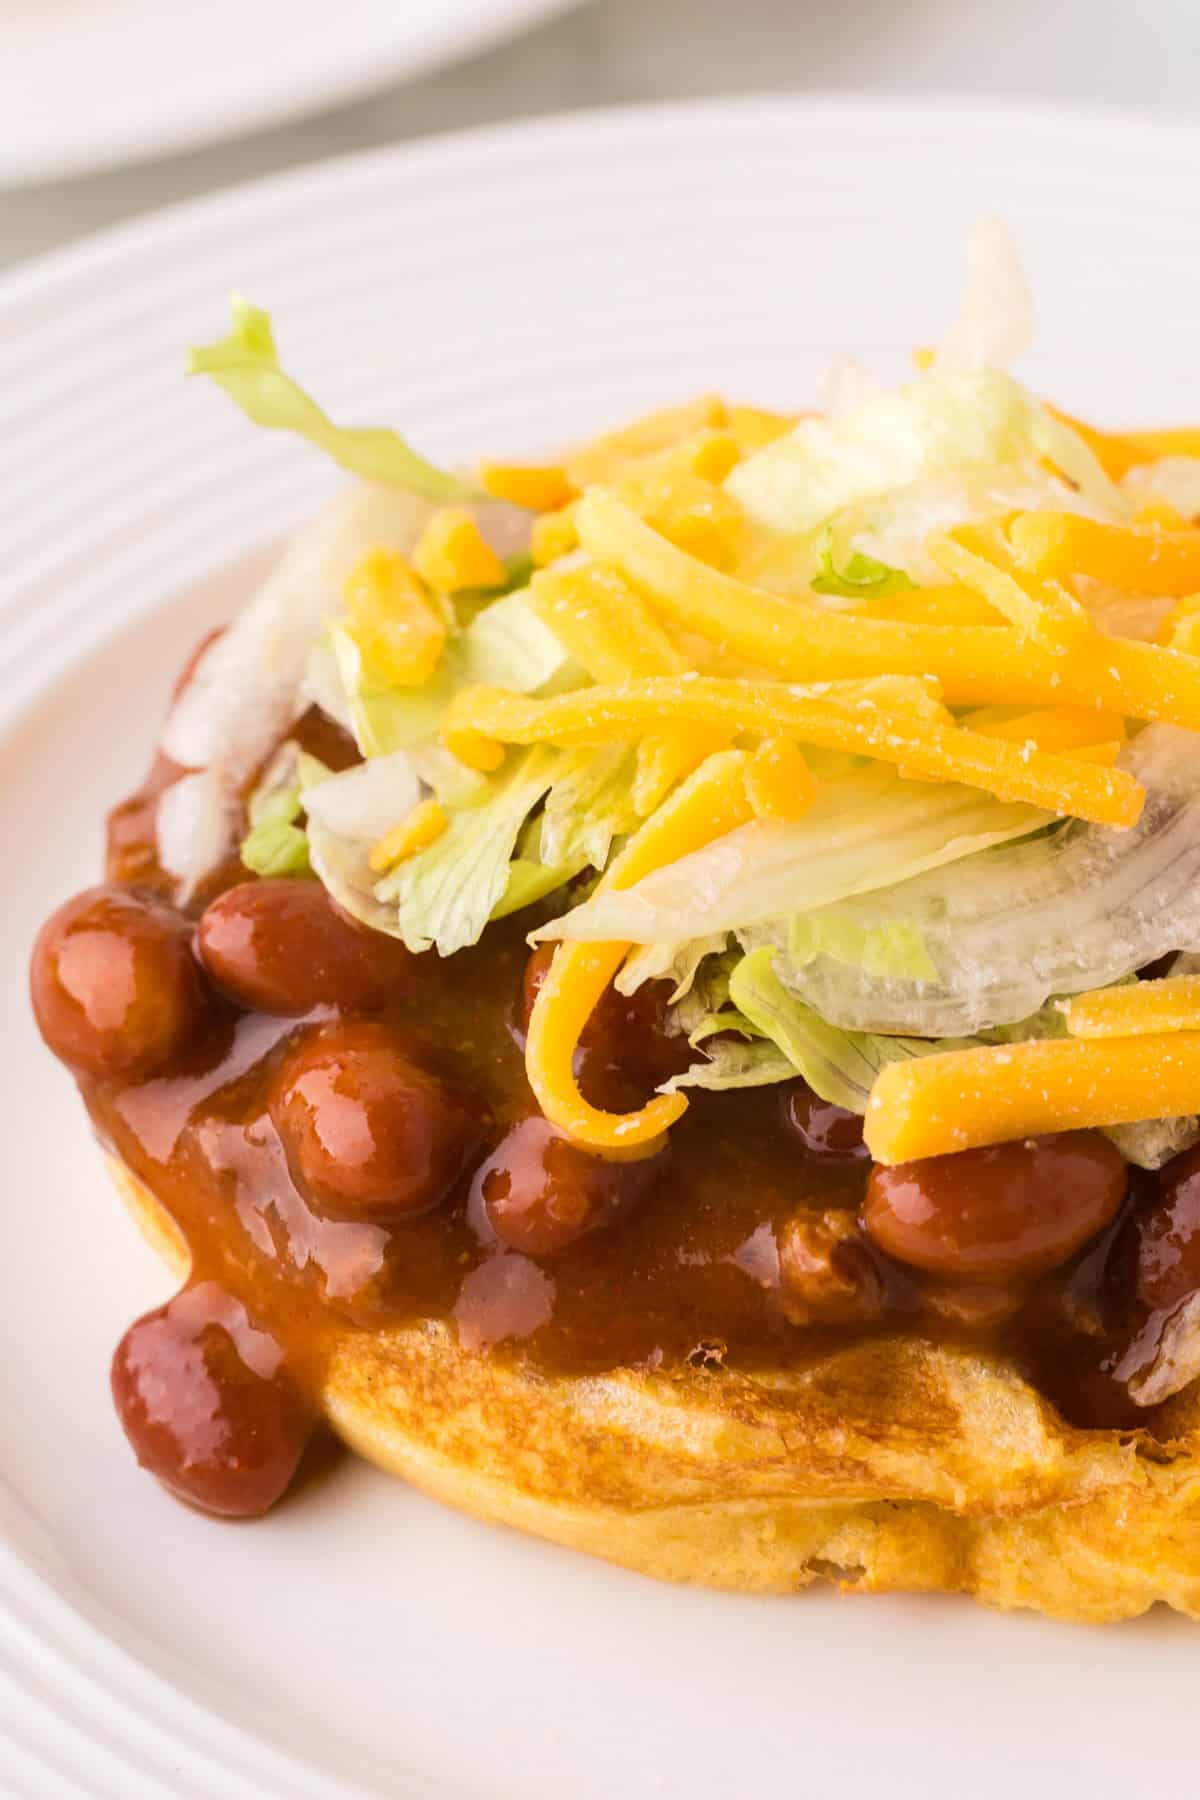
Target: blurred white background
{"x": 1144, "y": 56}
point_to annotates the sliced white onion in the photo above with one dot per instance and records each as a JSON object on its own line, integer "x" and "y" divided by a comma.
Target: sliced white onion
{"x": 195, "y": 823}
{"x": 366, "y": 801}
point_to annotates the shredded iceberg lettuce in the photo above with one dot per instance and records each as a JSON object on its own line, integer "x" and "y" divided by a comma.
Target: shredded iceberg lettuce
{"x": 782, "y": 1038}
{"x": 856, "y": 576}
{"x": 245, "y": 364}
{"x": 893, "y": 949}
{"x": 445, "y": 896}
{"x": 505, "y": 645}
{"x": 590, "y": 804}
{"x": 868, "y": 828}
{"x": 940, "y": 425}
{"x": 1077, "y": 908}
{"x": 275, "y": 843}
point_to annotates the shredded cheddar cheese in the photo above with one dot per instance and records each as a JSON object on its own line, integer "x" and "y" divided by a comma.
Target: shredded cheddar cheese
{"x": 975, "y": 665}
{"x": 1041, "y": 607}
{"x": 604, "y": 623}
{"x": 398, "y": 630}
{"x": 538, "y": 487}
{"x": 452, "y": 554}
{"x": 424, "y": 824}
{"x": 553, "y": 536}
{"x": 610, "y": 456}
{"x": 779, "y": 781}
{"x": 687, "y": 509}
{"x": 664, "y": 758}
{"x": 962, "y": 1099}
{"x": 712, "y": 802}
{"x": 1143, "y": 558}
{"x": 1171, "y": 1003}
{"x": 854, "y": 721}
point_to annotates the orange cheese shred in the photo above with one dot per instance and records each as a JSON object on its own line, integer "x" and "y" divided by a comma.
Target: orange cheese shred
{"x": 1034, "y": 604}
{"x": 1143, "y": 558}
{"x": 1172, "y": 1003}
{"x": 975, "y": 665}
{"x": 710, "y": 803}
{"x": 538, "y": 487}
{"x": 604, "y": 623}
{"x": 961, "y": 1099}
{"x": 452, "y": 553}
{"x": 851, "y": 717}
{"x": 779, "y": 781}
{"x": 608, "y": 457}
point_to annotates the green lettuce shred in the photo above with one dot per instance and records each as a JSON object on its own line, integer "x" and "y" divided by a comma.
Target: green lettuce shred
{"x": 275, "y": 844}
{"x": 446, "y": 895}
{"x": 245, "y": 364}
{"x": 891, "y": 951}
{"x": 858, "y": 576}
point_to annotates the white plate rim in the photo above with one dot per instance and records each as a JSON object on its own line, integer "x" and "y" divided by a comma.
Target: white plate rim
{"x": 341, "y": 69}
{"x": 109, "y": 1702}
{"x": 845, "y": 108}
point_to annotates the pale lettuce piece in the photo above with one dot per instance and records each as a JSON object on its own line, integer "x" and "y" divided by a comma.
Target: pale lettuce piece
{"x": 276, "y": 844}
{"x": 735, "y": 1063}
{"x": 677, "y": 963}
{"x": 995, "y": 322}
{"x": 1175, "y": 479}
{"x": 1078, "y": 907}
{"x": 867, "y": 829}
{"x": 590, "y": 804}
{"x": 785, "y": 1038}
{"x": 851, "y": 575}
{"x": 1152, "y": 1142}
{"x": 893, "y": 949}
{"x": 839, "y": 1066}
{"x": 366, "y": 801}
{"x": 346, "y": 814}
{"x": 245, "y": 364}
{"x": 445, "y": 896}
{"x": 936, "y": 426}
{"x": 893, "y": 528}
{"x": 530, "y": 880}
{"x": 450, "y": 781}
{"x": 505, "y": 645}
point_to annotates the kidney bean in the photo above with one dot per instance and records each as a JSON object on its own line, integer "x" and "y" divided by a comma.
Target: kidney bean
{"x": 368, "y": 1130}
{"x": 1010, "y": 1211}
{"x": 282, "y": 946}
{"x": 114, "y": 984}
{"x": 1164, "y": 1236}
{"x": 207, "y": 1406}
{"x": 540, "y": 1192}
{"x": 823, "y": 1128}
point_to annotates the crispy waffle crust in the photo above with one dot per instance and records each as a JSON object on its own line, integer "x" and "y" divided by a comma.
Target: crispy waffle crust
{"x": 891, "y": 1465}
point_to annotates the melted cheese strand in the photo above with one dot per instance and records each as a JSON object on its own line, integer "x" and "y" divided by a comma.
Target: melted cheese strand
{"x": 709, "y": 804}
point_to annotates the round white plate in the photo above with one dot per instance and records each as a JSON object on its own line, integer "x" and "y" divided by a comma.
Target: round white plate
{"x": 86, "y": 84}
{"x": 502, "y": 290}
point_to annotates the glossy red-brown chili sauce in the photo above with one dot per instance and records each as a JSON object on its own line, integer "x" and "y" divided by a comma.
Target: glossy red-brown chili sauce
{"x": 760, "y": 1235}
